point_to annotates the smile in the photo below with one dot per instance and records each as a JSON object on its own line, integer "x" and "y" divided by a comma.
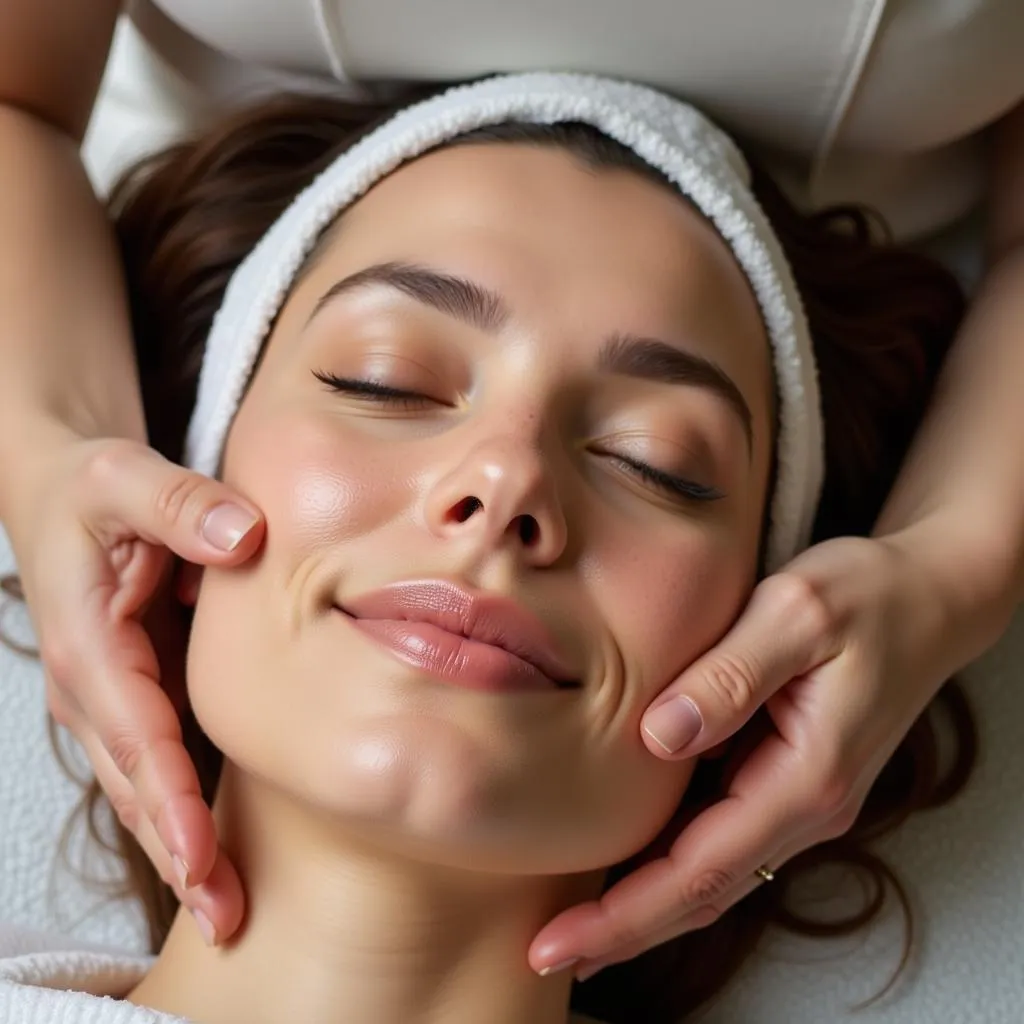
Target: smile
{"x": 482, "y": 642}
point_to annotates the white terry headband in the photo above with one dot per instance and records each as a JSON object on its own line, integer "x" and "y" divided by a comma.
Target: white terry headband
{"x": 672, "y": 137}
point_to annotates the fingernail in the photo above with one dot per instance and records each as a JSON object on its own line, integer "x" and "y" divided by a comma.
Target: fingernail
{"x": 674, "y": 724}
{"x": 205, "y": 927}
{"x": 180, "y": 871}
{"x": 225, "y": 525}
{"x": 555, "y": 968}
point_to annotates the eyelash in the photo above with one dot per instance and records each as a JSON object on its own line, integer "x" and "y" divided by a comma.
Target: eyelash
{"x": 372, "y": 391}
{"x": 674, "y": 485}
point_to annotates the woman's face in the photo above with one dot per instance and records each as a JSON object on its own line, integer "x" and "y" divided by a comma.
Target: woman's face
{"x": 577, "y": 423}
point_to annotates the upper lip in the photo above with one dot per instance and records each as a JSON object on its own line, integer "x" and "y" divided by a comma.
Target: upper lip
{"x": 487, "y": 618}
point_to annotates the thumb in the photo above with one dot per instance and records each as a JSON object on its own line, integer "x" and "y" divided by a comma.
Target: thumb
{"x": 784, "y": 632}
{"x": 136, "y": 491}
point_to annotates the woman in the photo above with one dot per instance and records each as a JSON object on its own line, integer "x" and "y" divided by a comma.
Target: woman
{"x": 521, "y": 391}
{"x": 849, "y": 88}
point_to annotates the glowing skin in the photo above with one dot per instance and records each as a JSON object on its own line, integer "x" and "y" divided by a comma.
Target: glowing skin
{"x": 390, "y": 826}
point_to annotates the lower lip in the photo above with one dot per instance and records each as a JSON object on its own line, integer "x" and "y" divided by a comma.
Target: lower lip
{"x": 453, "y": 658}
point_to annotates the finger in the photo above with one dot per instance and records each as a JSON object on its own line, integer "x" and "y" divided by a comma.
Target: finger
{"x": 123, "y": 801}
{"x": 698, "y": 919}
{"x": 105, "y": 669}
{"x": 701, "y": 917}
{"x": 140, "y": 733}
{"x": 775, "y": 862}
{"x": 132, "y": 490}
{"x": 785, "y": 631}
{"x": 723, "y": 846}
{"x": 218, "y": 894}
{"x": 161, "y": 792}
{"x": 220, "y": 898}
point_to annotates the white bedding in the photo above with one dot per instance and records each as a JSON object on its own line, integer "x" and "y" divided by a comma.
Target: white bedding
{"x": 965, "y": 864}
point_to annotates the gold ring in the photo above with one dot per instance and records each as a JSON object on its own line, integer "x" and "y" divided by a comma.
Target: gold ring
{"x": 765, "y": 873}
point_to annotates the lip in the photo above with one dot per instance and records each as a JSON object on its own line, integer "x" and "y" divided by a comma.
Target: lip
{"x": 482, "y": 641}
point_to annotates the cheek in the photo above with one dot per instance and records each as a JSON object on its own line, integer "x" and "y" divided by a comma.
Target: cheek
{"x": 668, "y": 598}
{"x": 318, "y": 490}
{"x": 314, "y": 483}
{"x": 665, "y": 600}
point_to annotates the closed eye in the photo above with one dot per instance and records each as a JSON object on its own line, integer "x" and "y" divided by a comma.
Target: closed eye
{"x": 373, "y": 391}
{"x": 676, "y": 486}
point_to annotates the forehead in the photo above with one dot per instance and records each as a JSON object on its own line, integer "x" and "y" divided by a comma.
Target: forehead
{"x": 577, "y": 252}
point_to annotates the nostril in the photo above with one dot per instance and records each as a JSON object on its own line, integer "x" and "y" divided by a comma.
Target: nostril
{"x": 528, "y": 529}
{"x": 465, "y": 508}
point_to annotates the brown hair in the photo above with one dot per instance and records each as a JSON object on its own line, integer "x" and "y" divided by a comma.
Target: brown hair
{"x": 882, "y": 319}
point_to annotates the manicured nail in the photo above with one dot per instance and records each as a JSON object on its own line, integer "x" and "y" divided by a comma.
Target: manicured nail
{"x": 225, "y": 525}
{"x": 555, "y": 968}
{"x": 180, "y": 871}
{"x": 206, "y": 928}
{"x": 674, "y": 724}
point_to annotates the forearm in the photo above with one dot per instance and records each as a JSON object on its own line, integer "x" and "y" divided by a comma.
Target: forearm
{"x": 65, "y": 338}
{"x": 962, "y": 486}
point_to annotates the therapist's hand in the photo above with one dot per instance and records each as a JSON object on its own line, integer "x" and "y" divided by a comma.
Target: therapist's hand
{"x": 846, "y": 646}
{"x": 94, "y": 541}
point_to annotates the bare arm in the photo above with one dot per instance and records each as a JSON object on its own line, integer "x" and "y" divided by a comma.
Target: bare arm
{"x": 94, "y": 514}
{"x": 65, "y": 348}
{"x": 963, "y": 485}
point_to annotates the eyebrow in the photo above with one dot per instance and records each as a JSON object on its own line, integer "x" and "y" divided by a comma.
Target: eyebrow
{"x": 455, "y": 296}
{"x": 628, "y": 355}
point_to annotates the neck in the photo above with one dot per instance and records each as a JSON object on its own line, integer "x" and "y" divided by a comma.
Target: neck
{"x": 339, "y": 929}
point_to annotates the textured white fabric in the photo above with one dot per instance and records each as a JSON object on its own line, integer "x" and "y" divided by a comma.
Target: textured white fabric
{"x": 671, "y": 136}
{"x": 46, "y": 982}
{"x": 36, "y": 798}
{"x": 876, "y": 101}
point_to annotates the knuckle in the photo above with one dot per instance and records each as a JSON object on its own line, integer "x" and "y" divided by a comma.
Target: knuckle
{"x": 127, "y": 812}
{"x": 106, "y": 463}
{"x": 732, "y": 681}
{"x": 803, "y": 600}
{"x": 708, "y": 888}
{"x": 58, "y": 658}
{"x": 179, "y": 496}
{"x": 126, "y": 753}
{"x": 834, "y": 796}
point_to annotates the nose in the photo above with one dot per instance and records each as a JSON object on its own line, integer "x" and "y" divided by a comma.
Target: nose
{"x": 501, "y": 493}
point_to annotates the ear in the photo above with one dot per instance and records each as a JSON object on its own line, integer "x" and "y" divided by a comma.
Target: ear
{"x": 186, "y": 585}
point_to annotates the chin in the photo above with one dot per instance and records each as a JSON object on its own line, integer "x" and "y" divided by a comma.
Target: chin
{"x": 434, "y": 796}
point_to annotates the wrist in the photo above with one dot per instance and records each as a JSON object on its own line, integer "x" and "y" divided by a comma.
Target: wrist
{"x": 972, "y": 566}
{"x": 28, "y": 448}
